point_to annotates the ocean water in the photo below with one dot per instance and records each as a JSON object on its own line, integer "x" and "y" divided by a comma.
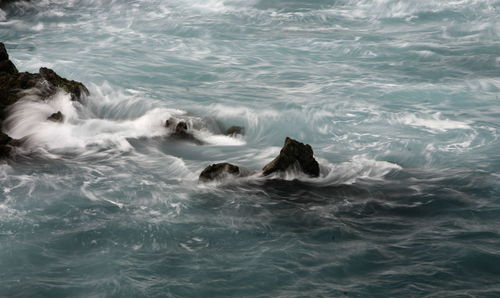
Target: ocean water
{"x": 398, "y": 99}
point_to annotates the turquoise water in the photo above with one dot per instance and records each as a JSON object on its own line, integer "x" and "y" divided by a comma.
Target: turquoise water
{"x": 398, "y": 99}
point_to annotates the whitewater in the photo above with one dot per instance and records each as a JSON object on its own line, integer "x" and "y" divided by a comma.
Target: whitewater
{"x": 398, "y": 99}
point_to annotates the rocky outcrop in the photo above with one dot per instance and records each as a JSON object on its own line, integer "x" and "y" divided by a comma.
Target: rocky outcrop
{"x": 218, "y": 171}
{"x": 44, "y": 84}
{"x": 293, "y": 153}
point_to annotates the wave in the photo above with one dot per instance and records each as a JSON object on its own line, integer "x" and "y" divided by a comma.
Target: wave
{"x": 106, "y": 119}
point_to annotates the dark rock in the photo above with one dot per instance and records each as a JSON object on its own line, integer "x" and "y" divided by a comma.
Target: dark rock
{"x": 76, "y": 89}
{"x": 219, "y": 171}
{"x": 169, "y": 122}
{"x": 56, "y": 117}
{"x": 293, "y": 153}
{"x": 180, "y": 131}
{"x": 3, "y": 52}
{"x": 181, "y": 128}
{"x": 235, "y": 130}
{"x": 5, "y": 64}
{"x": 6, "y": 144}
{"x": 8, "y": 67}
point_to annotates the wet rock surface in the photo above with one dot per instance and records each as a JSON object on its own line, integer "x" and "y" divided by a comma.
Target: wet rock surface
{"x": 294, "y": 153}
{"x": 235, "y": 130}
{"x": 179, "y": 130}
{"x": 56, "y": 117}
{"x": 219, "y": 171}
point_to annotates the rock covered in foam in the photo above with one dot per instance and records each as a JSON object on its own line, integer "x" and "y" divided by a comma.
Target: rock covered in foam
{"x": 180, "y": 130}
{"x": 293, "y": 153}
{"x": 56, "y": 117}
{"x": 44, "y": 84}
{"x": 235, "y": 130}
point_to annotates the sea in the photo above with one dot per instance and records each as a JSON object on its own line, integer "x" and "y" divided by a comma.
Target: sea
{"x": 399, "y": 100}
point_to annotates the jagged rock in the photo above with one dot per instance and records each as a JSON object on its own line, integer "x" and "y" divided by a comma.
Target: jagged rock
{"x": 293, "y": 153}
{"x": 3, "y": 53}
{"x": 219, "y": 171}
{"x": 46, "y": 82}
{"x": 235, "y": 130}
{"x": 8, "y": 67}
{"x": 5, "y": 64}
{"x": 56, "y": 117}
{"x": 74, "y": 88}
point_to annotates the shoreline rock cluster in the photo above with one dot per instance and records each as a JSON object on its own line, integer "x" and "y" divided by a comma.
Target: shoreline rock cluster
{"x": 14, "y": 85}
{"x": 44, "y": 84}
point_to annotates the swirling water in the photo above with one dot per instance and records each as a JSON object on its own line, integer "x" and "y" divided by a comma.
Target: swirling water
{"x": 399, "y": 100}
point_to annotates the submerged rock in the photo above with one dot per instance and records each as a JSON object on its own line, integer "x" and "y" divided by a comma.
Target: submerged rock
{"x": 56, "y": 117}
{"x": 293, "y": 153}
{"x": 235, "y": 130}
{"x": 219, "y": 171}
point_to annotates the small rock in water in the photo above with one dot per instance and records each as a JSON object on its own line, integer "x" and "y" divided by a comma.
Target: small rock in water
{"x": 181, "y": 128}
{"x": 219, "y": 171}
{"x": 56, "y": 117}
{"x": 181, "y": 131}
{"x": 235, "y": 130}
{"x": 293, "y": 153}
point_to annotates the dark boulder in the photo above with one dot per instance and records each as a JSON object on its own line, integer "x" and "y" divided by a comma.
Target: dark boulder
{"x": 235, "y": 130}
{"x": 293, "y": 153}
{"x": 218, "y": 171}
{"x": 56, "y": 117}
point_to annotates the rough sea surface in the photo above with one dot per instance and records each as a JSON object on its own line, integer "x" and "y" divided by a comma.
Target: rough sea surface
{"x": 398, "y": 99}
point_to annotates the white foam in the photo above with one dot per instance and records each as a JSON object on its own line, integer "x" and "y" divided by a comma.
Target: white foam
{"x": 433, "y": 123}
{"x": 28, "y": 119}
